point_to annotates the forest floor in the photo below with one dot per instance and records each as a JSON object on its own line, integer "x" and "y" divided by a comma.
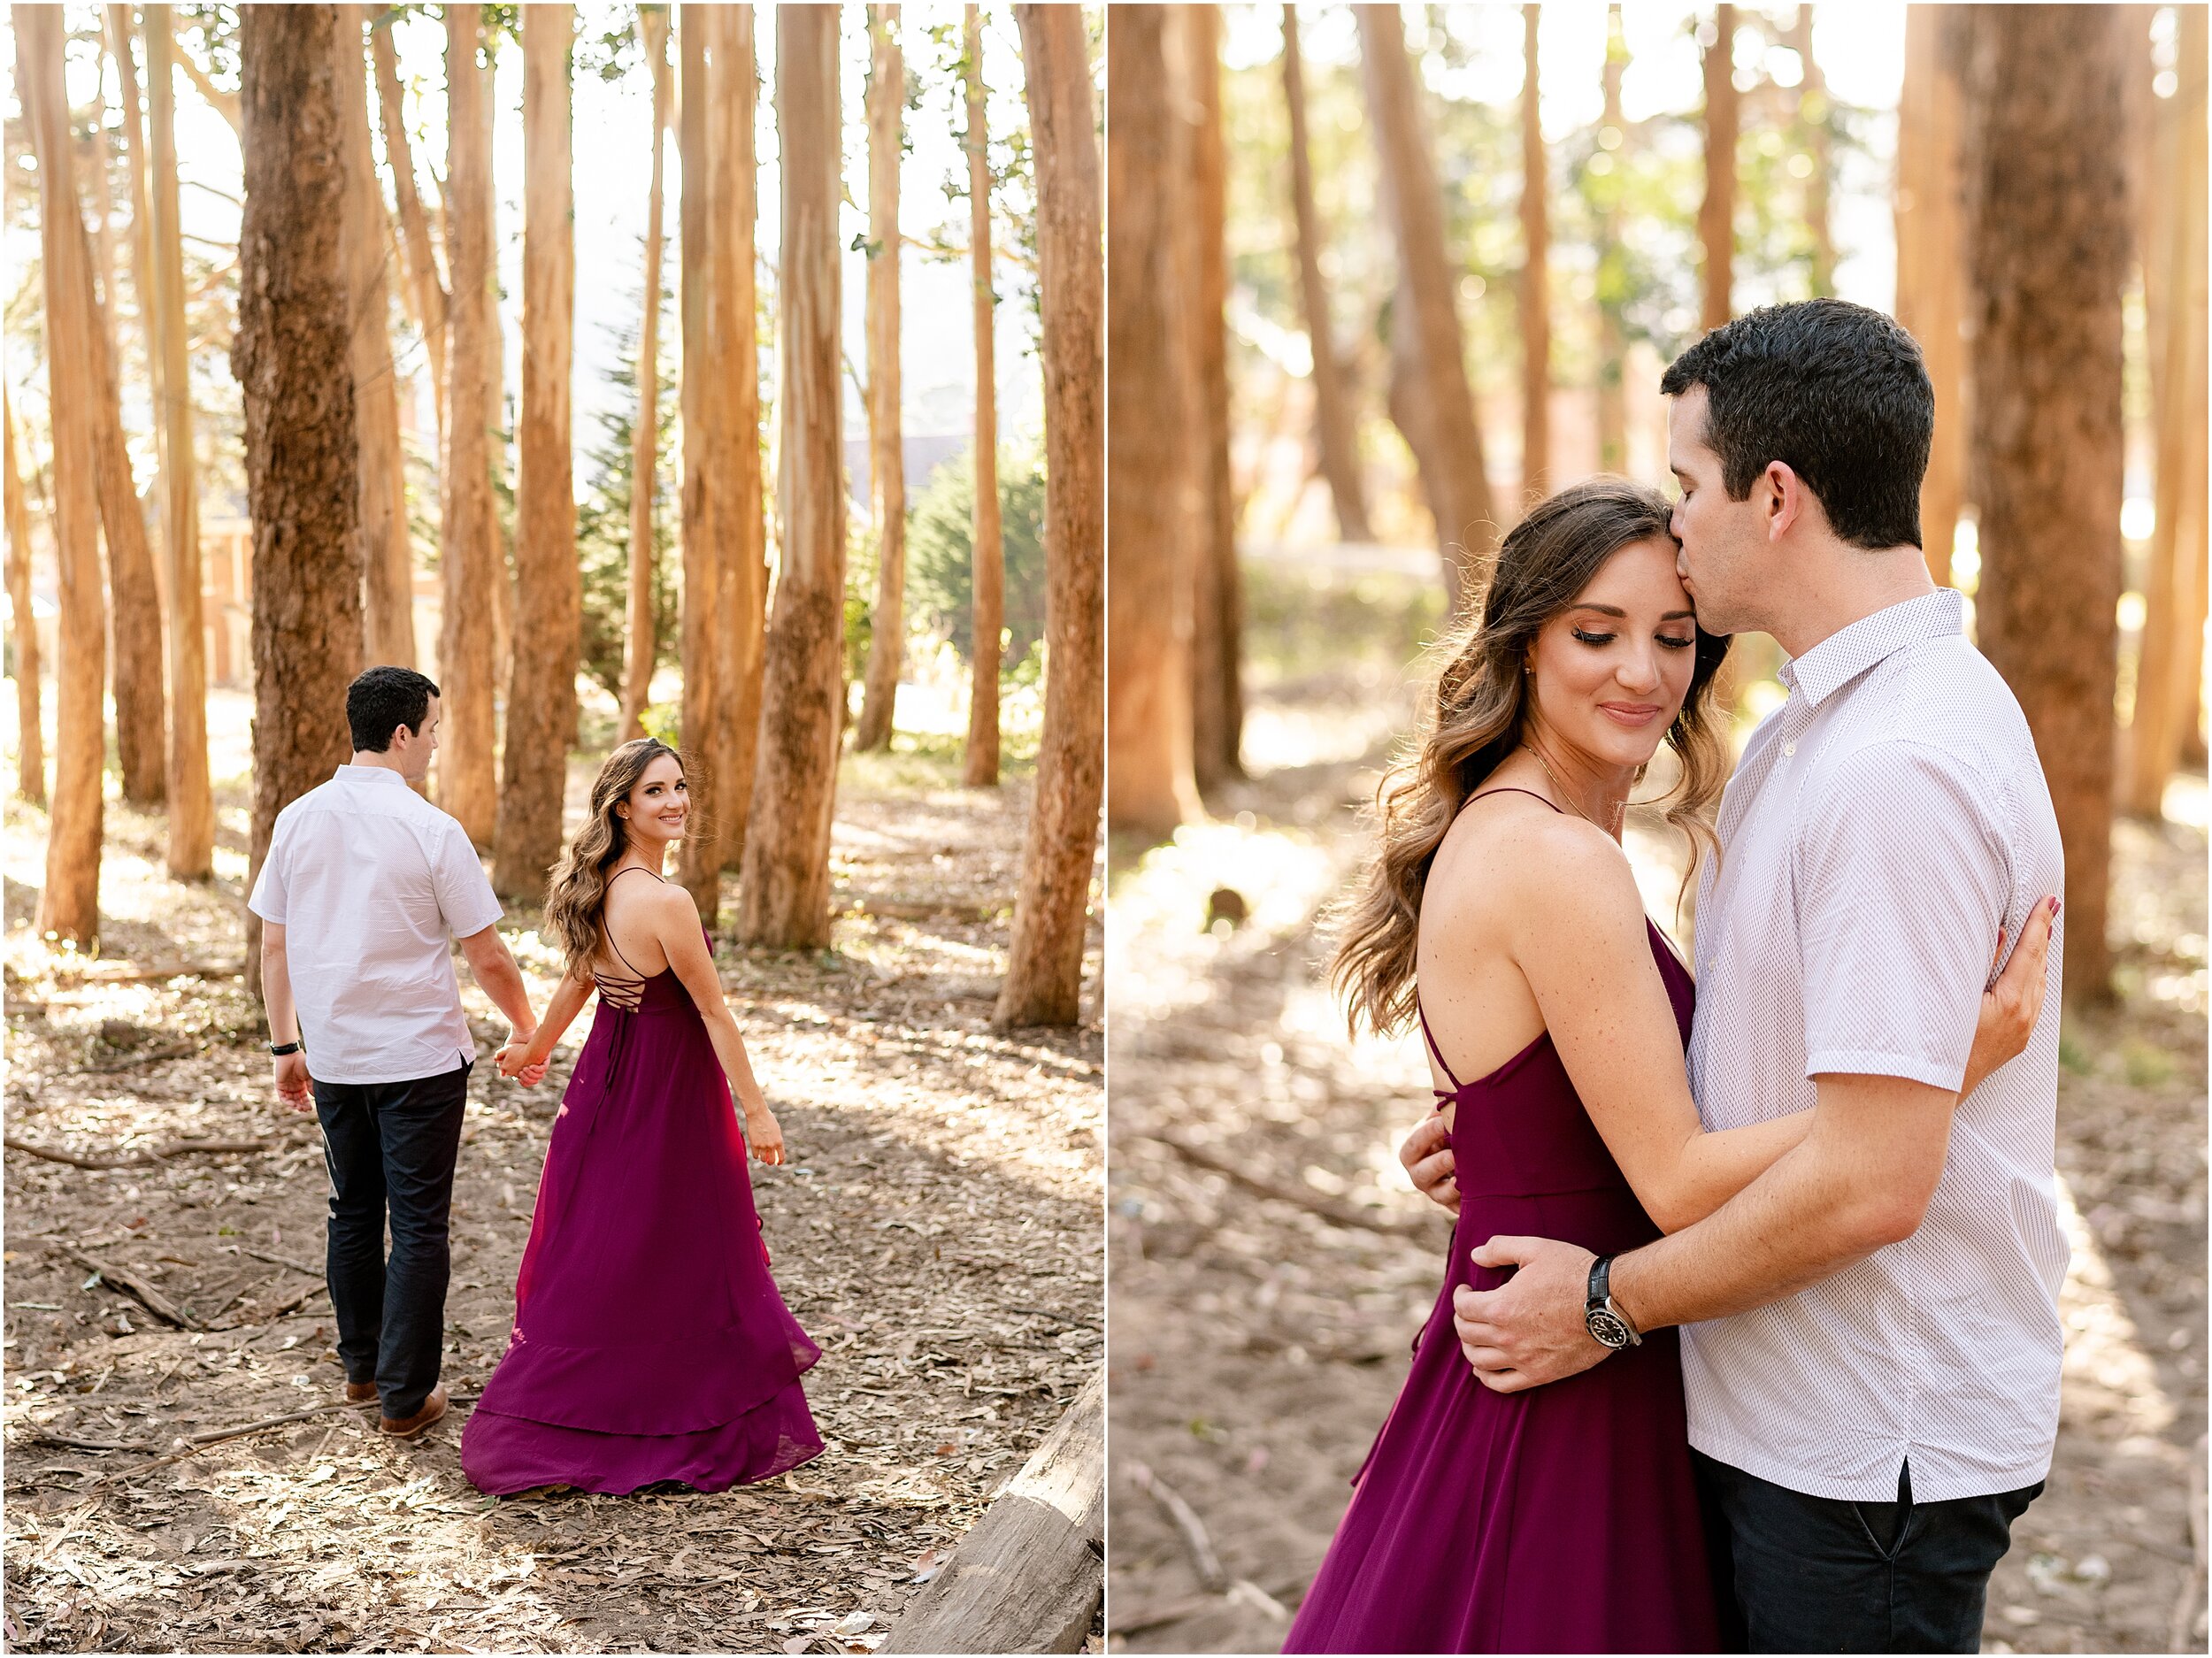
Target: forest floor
{"x": 1260, "y": 1338}
{"x": 937, "y": 1231}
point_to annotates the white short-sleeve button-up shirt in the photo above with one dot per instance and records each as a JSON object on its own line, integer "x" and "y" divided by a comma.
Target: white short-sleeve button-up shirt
{"x": 370, "y": 882}
{"x": 1885, "y": 823}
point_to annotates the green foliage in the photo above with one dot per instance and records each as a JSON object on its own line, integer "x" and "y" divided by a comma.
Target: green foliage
{"x": 602, "y": 520}
{"x": 940, "y": 552}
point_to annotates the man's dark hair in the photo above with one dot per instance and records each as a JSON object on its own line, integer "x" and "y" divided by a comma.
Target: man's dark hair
{"x": 1835, "y": 392}
{"x": 383, "y": 699}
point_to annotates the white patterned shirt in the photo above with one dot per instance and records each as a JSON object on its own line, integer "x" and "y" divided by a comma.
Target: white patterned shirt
{"x": 1883, "y": 824}
{"x": 370, "y": 882}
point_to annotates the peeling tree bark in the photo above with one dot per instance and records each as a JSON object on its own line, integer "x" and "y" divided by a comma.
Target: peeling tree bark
{"x": 1216, "y": 602}
{"x": 886, "y": 461}
{"x": 69, "y": 902}
{"x": 980, "y": 770}
{"x": 2047, "y": 244}
{"x": 191, "y": 845}
{"x": 1044, "y": 967}
{"x": 293, "y": 361}
{"x": 642, "y": 643}
{"x": 1717, "y": 214}
{"x": 549, "y": 609}
{"x": 1931, "y": 268}
{"x": 783, "y": 890}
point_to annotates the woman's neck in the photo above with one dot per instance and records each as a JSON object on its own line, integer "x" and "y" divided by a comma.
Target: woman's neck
{"x": 1595, "y": 789}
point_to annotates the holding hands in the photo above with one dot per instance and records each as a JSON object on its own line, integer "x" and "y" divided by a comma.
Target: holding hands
{"x": 515, "y": 1064}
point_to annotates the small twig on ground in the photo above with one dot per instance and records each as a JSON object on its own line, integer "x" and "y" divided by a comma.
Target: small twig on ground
{"x": 130, "y": 1284}
{"x": 124, "y": 973}
{"x": 275, "y": 1313}
{"x": 1069, "y": 1319}
{"x": 139, "y": 1159}
{"x": 1336, "y": 1214}
{"x": 280, "y": 1261}
{"x": 1188, "y": 1526}
{"x": 2190, "y": 1607}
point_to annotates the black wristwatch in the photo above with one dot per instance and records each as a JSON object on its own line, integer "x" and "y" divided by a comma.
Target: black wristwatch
{"x": 1608, "y": 1325}
{"x": 281, "y": 1049}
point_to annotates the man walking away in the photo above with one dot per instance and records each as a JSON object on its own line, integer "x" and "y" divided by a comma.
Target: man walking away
{"x": 365, "y": 883}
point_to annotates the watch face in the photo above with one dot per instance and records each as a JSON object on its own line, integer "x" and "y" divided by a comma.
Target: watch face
{"x": 1607, "y": 1329}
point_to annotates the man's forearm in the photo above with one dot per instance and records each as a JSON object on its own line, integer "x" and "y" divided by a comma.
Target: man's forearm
{"x": 502, "y": 980}
{"x": 1798, "y": 1223}
{"x": 276, "y": 996}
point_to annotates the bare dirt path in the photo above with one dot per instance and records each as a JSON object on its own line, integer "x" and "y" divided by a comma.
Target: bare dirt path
{"x": 1259, "y": 1339}
{"x": 937, "y": 1232}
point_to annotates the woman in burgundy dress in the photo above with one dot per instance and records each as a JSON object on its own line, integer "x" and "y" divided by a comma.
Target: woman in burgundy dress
{"x": 649, "y": 1343}
{"x": 1562, "y": 1519}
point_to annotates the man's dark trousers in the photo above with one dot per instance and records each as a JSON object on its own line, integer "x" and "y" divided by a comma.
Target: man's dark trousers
{"x": 391, "y": 1144}
{"x": 1801, "y": 1574}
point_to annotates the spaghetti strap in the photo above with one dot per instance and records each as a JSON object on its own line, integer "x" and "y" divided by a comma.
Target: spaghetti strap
{"x": 607, "y": 932}
{"x": 1437, "y": 1053}
{"x": 1505, "y": 788}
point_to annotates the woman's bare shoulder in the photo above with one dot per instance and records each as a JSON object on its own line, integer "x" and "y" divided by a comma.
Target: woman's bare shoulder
{"x": 1513, "y": 856}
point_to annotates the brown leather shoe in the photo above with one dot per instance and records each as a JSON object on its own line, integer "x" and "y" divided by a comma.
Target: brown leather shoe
{"x": 408, "y": 1427}
{"x": 360, "y": 1393}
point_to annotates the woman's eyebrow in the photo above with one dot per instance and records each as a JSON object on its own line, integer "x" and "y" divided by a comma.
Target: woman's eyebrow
{"x": 1615, "y": 611}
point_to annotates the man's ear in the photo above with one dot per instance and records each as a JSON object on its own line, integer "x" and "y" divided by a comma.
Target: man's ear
{"x": 1785, "y": 504}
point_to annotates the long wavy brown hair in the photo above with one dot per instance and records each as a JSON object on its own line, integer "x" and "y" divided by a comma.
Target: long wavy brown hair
{"x": 576, "y": 895}
{"x": 1477, "y": 717}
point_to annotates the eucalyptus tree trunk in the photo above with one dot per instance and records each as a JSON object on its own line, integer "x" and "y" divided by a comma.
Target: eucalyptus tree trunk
{"x": 1334, "y": 431}
{"x": 1930, "y": 261}
{"x": 1535, "y": 287}
{"x": 549, "y": 592}
{"x": 2047, "y": 242}
{"x": 642, "y": 641}
{"x": 427, "y": 301}
{"x": 387, "y": 553}
{"x": 1430, "y": 400}
{"x": 1044, "y": 965}
{"x": 69, "y": 901}
{"x": 887, "y": 460}
{"x": 293, "y": 361}
{"x": 191, "y": 843}
{"x": 1612, "y": 276}
{"x": 470, "y": 567}
{"x": 1717, "y": 213}
{"x": 30, "y": 753}
{"x": 783, "y": 893}
{"x": 1813, "y": 120}
{"x": 1216, "y": 601}
{"x": 1149, "y": 474}
{"x": 980, "y": 770}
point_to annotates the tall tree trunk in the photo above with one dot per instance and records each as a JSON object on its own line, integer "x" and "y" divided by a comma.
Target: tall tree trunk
{"x": 134, "y": 592}
{"x": 644, "y": 641}
{"x": 293, "y": 361}
{"x": 1612, "y": 275}
{"x": 498, "y": 418}
{"x": 1930, "y": 266}
{"x": 388, "y": 555}
{"x": 468, "y": 556}
{"x": 428, "y": 301}
{"x": 1216, "y": 601}
{"x": 887, "y": 460}
{"x": 1535, "y": 293}
{"x": 69, "y": 902}
{"x": 2166, "y": 689}
{"x": 990, "y": 570}
{"x": 117, "y": 33}
{"x": 1430, "y": 397}
{"x": 1813, "y": 119}
{"x": 1044, "y": 966}
{"x": 1333, "y": 430}
{"x": 191, "y": 844}
{"x": 742, "y": 629}
{"x": 784, "y": 889}
{"x": 2047, "y": 243}
{"x": 549, "y": 592}
{"x": 1717, "y": 214}
{"x": 30, "y": 753}
{"x": 1149, "y": 470}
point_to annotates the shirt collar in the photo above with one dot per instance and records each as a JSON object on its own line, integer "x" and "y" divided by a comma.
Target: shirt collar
{"x": 370, "y": 774}
{"x": 1850, "y": 651}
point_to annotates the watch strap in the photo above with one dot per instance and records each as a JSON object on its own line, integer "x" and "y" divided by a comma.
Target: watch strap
{"x": 278, "y": 1049}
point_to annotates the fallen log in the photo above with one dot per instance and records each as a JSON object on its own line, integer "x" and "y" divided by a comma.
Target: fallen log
{"x": 139, "y": 1159}
{"x": 129, "y": 1283}
{"x": 1031, "y": 1576}
{"x": 1336, "y": 1214}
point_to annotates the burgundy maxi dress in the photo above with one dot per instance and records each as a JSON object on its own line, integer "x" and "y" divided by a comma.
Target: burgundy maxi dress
{"x": 649, "y": 1342}
{"x": 1562, "y": 1519}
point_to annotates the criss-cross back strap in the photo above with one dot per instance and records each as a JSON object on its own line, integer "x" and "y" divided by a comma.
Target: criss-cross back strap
{"x": 1442, "y": 1094}
{"x": 626, "y": 993}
